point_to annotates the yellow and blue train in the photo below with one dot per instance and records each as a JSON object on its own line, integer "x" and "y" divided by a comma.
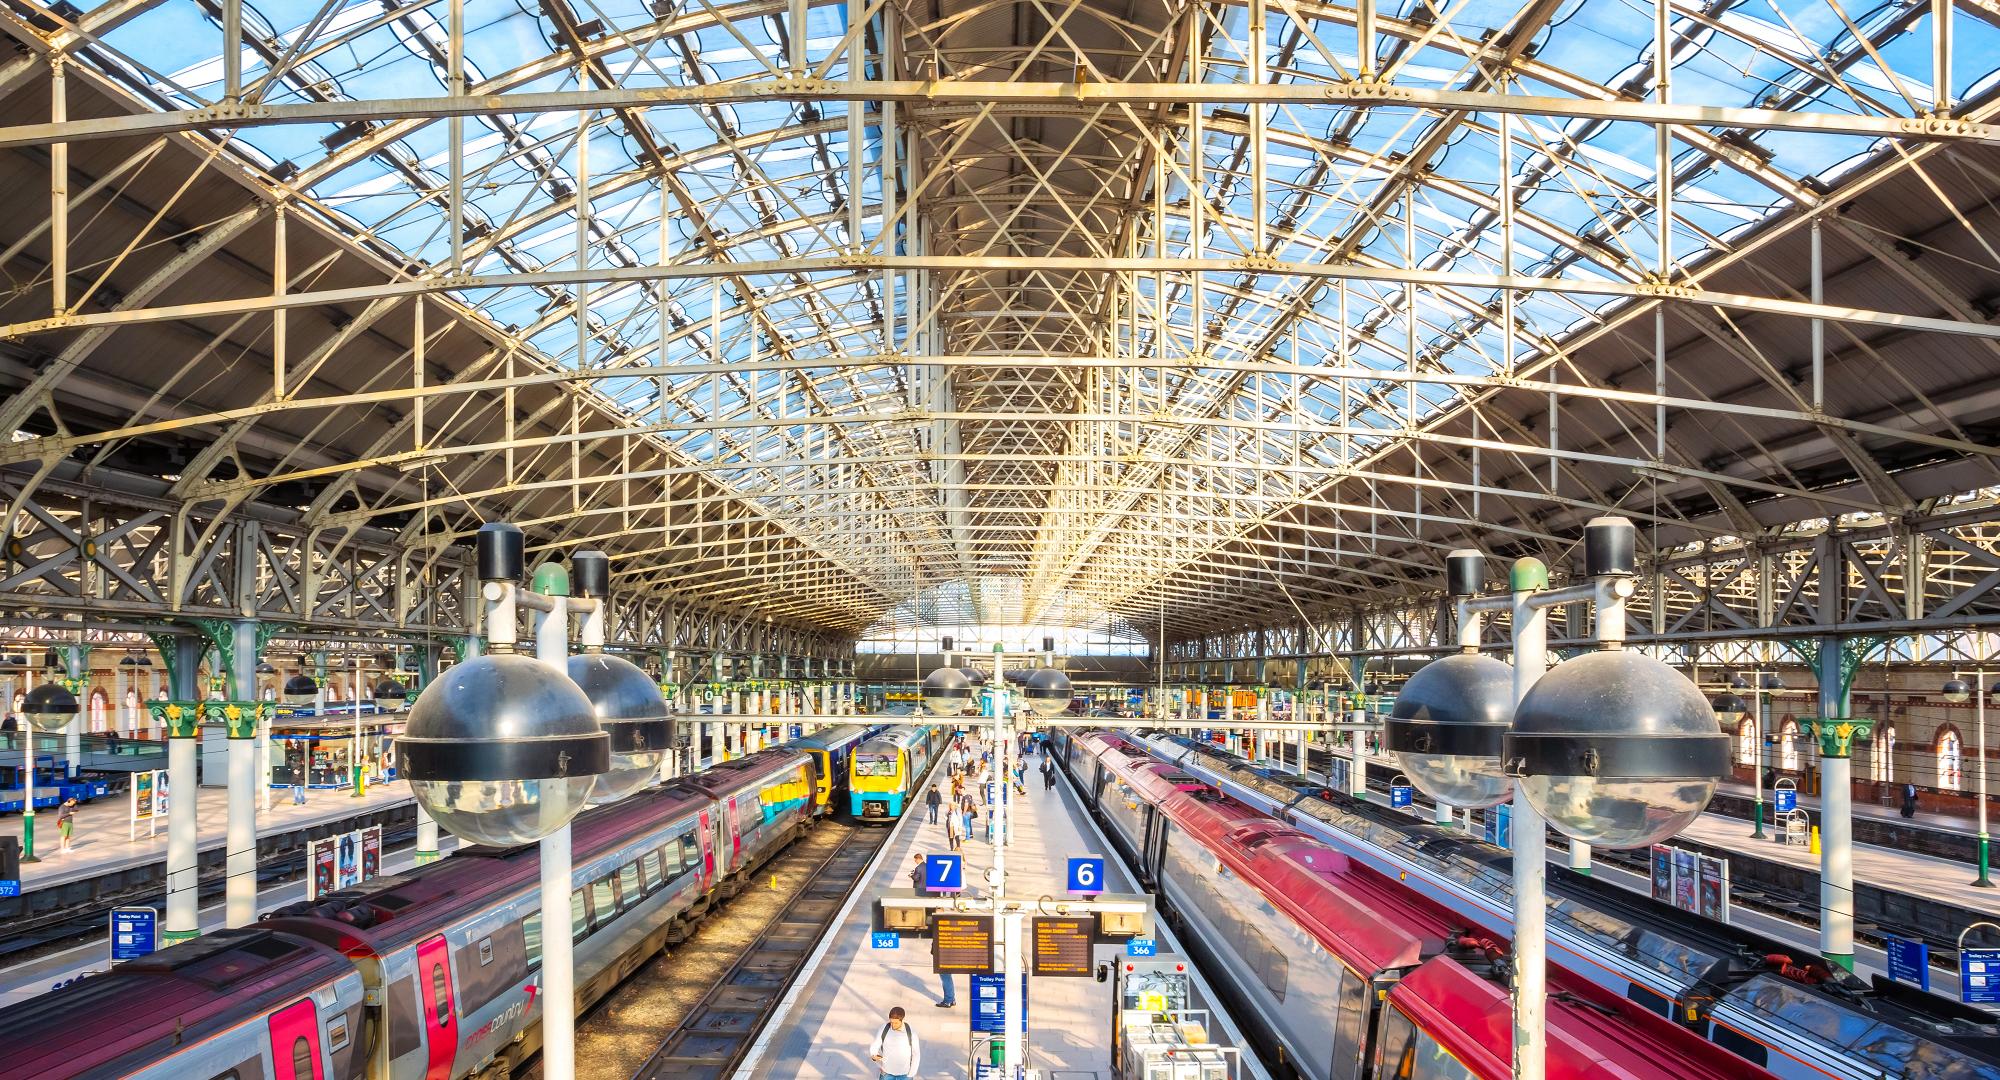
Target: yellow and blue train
{"x": 830, "y": 749}
{"x": 885, "y": 769}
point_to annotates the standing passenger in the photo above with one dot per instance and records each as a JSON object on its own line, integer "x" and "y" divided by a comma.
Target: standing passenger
{"x": 931, "y": 801}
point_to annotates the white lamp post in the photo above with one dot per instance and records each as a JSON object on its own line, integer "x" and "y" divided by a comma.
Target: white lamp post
{"x": 1958, "y": 691}
{"x": 505, "y": 749}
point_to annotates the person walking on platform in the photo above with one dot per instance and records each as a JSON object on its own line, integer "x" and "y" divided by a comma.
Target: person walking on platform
{"x": 896, "y": 1051}
{"x": 954, "y": 831}
{"x": 931, "y": 801}
{"x": 917, "y": 872}
{"x": 950, "y": 991}
{"x": 1048, "y": 775}
{"x": 968, "y": 812}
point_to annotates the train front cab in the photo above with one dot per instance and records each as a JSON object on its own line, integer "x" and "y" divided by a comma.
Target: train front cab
{"x": 877, "y": 784}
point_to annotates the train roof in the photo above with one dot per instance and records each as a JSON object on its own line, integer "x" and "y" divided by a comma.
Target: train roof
{"x": 833, "y": 738}
{"x": 388, "y": 914}
{"x": 901, "y": 735}
{"x": 731, "y": 777}
{"x": 1590, "y": 1036}
{"x": 175, "y": 997}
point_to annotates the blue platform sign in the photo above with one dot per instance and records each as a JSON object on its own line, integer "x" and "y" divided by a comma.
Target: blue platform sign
{"x": 10, "y": 887}
{"x": 1499, "y": 827}
{"x": 989, "y": 1004}
{"x": 135, "y": 932}
{"x": 1910, "y": 962}
{"x": 885, "y": 939}
{"x": 1400, "y": 795}
{"x": 944, "y": 873}
{"x": 1086, "y": 875}
{"x": 1979, "y": 976}
{"x": 1786, "y": 799}
{"x": 1141, "y": 946}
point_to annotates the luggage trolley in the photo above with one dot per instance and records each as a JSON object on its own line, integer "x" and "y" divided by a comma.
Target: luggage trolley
{"x": 1156, "y": 1034}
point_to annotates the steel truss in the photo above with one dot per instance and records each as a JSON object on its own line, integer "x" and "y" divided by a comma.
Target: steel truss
{"x": 1199, "y": 317}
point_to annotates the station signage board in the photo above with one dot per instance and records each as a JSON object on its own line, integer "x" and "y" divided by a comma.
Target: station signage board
{"x": 135, "y": 932}
{"x": 989, "y": 1004}
{"x": 962, "y": 944}
{"x": 885, "y": 939}
{"x": 1060, "y": 945}
{"x": 1979, "y": 976}
{"x": 1910, "y": 962}
{"x": 1787, "y": 799}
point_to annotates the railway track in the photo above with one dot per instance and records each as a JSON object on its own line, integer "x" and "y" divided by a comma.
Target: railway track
{"x": 694, "y": 1010}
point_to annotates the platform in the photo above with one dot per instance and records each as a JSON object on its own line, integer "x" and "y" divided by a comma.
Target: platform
{"x": 838, "y": 1008}
{"x": 102, "y": 843}
{"x": 21, "y": 981}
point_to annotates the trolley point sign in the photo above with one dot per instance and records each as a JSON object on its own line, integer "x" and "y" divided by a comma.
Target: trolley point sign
{"x": 962, "y": 944}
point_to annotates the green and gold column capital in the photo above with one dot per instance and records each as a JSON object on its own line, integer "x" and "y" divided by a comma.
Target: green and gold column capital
{"x": 242, "y": 718}
{"x": 182, "y": 719}
{"x": 1836, "y": 734}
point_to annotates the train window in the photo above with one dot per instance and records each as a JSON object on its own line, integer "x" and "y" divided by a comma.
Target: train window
{"x": 441, "y": 993}
{"x": 1350, "y": 1026}
{"x": 336, "y": 1033}
{"x": 603, "y": 903}
{"x": 1655, "y": 1001}
{"x": 579, "y": 916}
{"x": 690, "y": 852}
{"x": 649, "y": 871}
{"x": 531, "y": 936}
{"x": 629, "y": 890}
{"x": 1740, "y": 1044}
{"x": 1396, "y": 1055}
{"x": 302, "y": 1056}
{"x": 406, "y": 1025}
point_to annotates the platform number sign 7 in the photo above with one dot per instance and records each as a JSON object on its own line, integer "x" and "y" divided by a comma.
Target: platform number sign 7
{"x": 944, "y": 873}
{"x": 1086, "y": 875}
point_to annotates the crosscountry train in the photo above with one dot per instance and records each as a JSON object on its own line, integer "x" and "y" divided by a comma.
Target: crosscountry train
{"x": 428, "y": 975}
{"x": 1747, "y": 993}
{"x": 1341, "y": 972}
{"x": 887, "y": 767}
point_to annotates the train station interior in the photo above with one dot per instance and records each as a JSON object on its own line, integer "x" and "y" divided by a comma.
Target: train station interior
{"x": 1007, "y": 540}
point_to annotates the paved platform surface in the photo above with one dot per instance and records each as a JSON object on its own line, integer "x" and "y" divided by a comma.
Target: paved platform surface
{"x": 1966, "y": 823}
{"x": 102, "y": 829}
{"x": 841, "y": 1005}
{"x": 1944, "y": 880}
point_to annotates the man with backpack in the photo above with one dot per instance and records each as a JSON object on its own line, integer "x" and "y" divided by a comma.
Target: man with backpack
{"x": 896, "y": 1051}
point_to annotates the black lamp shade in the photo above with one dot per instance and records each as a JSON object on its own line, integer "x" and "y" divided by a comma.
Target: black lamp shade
{"x": 49, "y": 699}
{"x": 301, "y": 686}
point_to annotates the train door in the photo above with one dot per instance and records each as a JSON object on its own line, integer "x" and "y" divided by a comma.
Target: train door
{"x": 440, "y": 1029}
{"x": 707, "y": 852}
{"x": 295, "y": 1043}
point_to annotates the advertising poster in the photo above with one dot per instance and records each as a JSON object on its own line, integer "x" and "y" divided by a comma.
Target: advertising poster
{"x": 323, "y": 880}
{"x": 1663, "y": 873}
{"x": 142, "y": 796}
{"x": 350, "y": 859}
{"x": 1714, "y": 888}
{"x": 371, "y": 853}
{"x": 1687, "y": 881}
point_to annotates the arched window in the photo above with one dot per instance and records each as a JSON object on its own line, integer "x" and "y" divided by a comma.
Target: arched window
{"x": 1950, "y": 759}
{"x": 1746, "y": 742}
{"x": 1882, "y": 755}
{"x": 1788, "y": 745}
{"x": 100, "y": 709}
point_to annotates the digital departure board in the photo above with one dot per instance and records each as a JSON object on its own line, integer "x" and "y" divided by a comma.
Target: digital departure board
{"x": 962, "y": 944}
{"x": 1060, "y": 946}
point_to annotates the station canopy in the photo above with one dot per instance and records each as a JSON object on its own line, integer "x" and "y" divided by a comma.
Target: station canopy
{"x": 1158, "y": 315}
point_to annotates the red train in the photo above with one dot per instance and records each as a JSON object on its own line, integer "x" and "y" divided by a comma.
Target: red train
{"x": 1342, "y": 972}
{"x": 429, "y": 975}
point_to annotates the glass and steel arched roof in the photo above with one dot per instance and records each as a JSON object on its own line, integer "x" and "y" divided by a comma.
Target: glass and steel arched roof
{"x": 1202, "y": 307}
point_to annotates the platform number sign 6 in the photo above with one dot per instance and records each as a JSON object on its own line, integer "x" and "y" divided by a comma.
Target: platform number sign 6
{"x": 1086, "y": 875}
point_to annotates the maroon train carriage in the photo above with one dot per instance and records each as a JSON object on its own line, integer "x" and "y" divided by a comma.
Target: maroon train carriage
{"x": 1326, "y": 957}
{"x": 254, "y": 1002}
{"x": 428, "y": 975}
